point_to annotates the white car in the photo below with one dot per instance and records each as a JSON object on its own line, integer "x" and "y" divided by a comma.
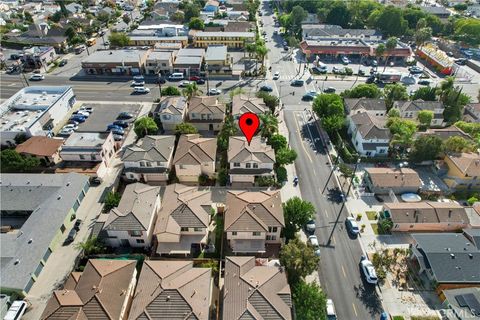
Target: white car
{"x": 70, "y": 127}
{"x": 141, "y": 90}
{"x": 214, "y": 92}
{"x": 368, "y": 270}
{"x": 37, "y": 77}
{"x": 16, "y": 311}
{"x": 276, "y": 75}
{"x": 83, "y": 113}
{"x": 65, "y": 132}
{"x": 87, "y": 109}
{"x": 331, "y": 314}
{"x": 138, "y": 83}
{"x": 184, "y": 83}
{"x": 352, "y": 226}
{"x": 313, "y": 241}
{"x": 345, "y": 60}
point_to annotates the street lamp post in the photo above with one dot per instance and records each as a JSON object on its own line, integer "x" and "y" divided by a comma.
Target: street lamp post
{"x": 344, "y": 201}
{"x": 331, "y": 173}
{"x": 206, "y": 73}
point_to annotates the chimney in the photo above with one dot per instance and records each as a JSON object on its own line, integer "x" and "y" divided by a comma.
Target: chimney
{"x": 452, "y": 256}
{"x": 168, "y": 298}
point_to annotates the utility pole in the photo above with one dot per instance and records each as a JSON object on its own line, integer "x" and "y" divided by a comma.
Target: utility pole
{"x": 206, "y": 73}
{"x": 331, "y": 173}
{"x": 344, "y": 201}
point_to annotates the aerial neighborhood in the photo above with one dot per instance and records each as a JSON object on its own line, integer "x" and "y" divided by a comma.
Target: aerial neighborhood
{"x": 240, "y": 159}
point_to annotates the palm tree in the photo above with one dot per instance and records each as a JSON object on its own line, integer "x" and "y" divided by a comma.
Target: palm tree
{"x": 191, "y": 90}
{"x": 401, "y": 142}
{"x": 446, "y": 87}
{"x": 380, "y": 51}
{"x": 390, "y": 46}
{"x": 90, "y": 246}
{"x": 261, "y": 52}
{"x": 250, "y": 48}
{"x": 269, "y": 125}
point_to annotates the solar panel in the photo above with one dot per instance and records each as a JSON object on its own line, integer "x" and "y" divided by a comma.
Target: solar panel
{"x": 472, "y": 303}
{"x": 461, "y": 301}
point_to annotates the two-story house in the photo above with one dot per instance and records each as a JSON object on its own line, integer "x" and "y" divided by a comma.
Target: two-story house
{"x": 253, "y": 220}
{"x": 243, "y": 103}
{"x": 249, "y": 161}
{"x": 183, "y": 220}
{"x": 463, "y": 171}
{"x": 150, "y": 159}
{"x": 386, "y": 180}
{"x": 131, "y": 224}
{"x": 471, "y": 113}
{"x": 171, "y": 111}
{"x": 194, "y": 156}
{"x": 218, "y": 60}
{"x": 369, "y": 133}
{"x": 410, "y": 110}
{"x": 159, "y": 62}
{"x": 375, "y": 107}
{"x": 206, "y": 113}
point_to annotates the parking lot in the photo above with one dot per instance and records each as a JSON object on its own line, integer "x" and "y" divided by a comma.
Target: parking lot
{"x": 105, "y": 114}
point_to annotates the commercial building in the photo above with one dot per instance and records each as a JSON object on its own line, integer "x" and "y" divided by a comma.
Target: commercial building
{"x": 115, "y": 62}
{"x": 218, "y": 61}
{"x": 36, "y": 215}
{"x": 149, "y": 40}
{"x": 34, "y": 111}
{"x": 189, "y": 61}
{"x": 322, "y": 31}
{"x": 38, "y": 57}
{"x": 159, "y": 62}
{"x": 204, "y": 39}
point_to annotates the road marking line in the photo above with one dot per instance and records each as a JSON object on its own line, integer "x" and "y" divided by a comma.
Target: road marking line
{"x": 345, "y": 275}
{"x": 354, "y": 309}
{"x": 333, "y": 239}
{"x": 326, "y": 213}
{"x": 301, "y": 142}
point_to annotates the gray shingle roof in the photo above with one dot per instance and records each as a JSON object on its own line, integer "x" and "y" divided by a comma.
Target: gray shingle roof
{"x": 50, "y": 197}
{"x": 352, "y": 105}
{"x": 371, "y": 127}
{"x": 150, "y": 148}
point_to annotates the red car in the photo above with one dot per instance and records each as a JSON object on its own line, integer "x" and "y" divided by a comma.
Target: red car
{"x": 194, "y": 78}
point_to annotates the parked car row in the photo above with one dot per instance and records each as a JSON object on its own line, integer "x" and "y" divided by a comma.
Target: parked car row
{"x": 77, "y": 117}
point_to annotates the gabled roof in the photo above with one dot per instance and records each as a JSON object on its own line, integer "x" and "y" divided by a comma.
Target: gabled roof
{"x": 135, "y": 210}
{"x": 172, "y": 290}
{"x": 253, "y": 211}
{"x": 193, "y": 150}
{"x": 255, "y": 291}
{"x": 150, "y": 148}
{"x": 206, "y": 104}
{"x": 445, "y": 133}
{"x": 417, "y": 105}
{"x": 370, "y": 126}
{"x": 427, "y": 212}
{"x": 394, "y": 178}
{"x": 172, "y": 105}
{"x": 467, "y": 163}
{"x": 242, "y": 104}
{"x": 257, "y": 151}
{"x": 183, "y": 207}
{"x": 100, "y": 292}
{"x": 364, "y": 104}
{"x": 40, "y": 146}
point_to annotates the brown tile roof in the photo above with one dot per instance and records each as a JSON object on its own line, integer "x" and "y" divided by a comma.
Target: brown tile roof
{"x": 206, "y": 104}
{"x": 253, "y": 211}
{"x": 371, "y": 127}
{"x": 243, "y": 103}
{"x": 257, "y": 151}
{"x": 192, "y": 150}
{"x": 100, "y": 293}
{"x": 172, "y": 290}
{"x": 182, "y": 207}
{"x": 40, "y": 146}
{"x": 255, "y": 291}
{"x": 388, "y": 177}
{"x": 427, "y": 212}
{"x": 467, "y": 163}
{"x": 238, "y": 26}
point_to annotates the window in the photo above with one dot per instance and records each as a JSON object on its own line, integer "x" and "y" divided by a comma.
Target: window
{"x": 255, "y": 165}
{"x": 149, "y": 164}
{"x": 164, "y": 64}
{"x": 272, "y": 229}
{"x": 248, "y": 165}
{"x": 255, "y": 233}
{"x": 135, "y": 233}
{"x": 197, "y": 229}
{"x": 93, "y": 157}
{"x": 236, "y": 164}
{"x": 185, "y": 229}
{"x": 140, "y": 241}
{"x": 142, "y": 164}
{"x": 166, "y": 117}
{"x": 82, "y": 156}
{"x": 273, "y": 238}
{"x": 159, "y": 163}
{"x": 234, "y": 233}
{"x": 182, "y": 166}
{"x": 381, "y": 151}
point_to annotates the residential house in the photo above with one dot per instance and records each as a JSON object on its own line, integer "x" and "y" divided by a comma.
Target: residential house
{"x": 449, "y": 259}
{"x": 189, "y": 61}
{"x": 369, "y": 133}
{"x": 171, "y": 111}
{"x": 218, "y": 61}
{"x": 42, "y": 207}
{"x": 211, "y": 6}
{"x": 159, "y": 62}
{"x": 255, "y": 289}
{"x": 461, "y": 304}
{"x": 445, "y": 133}
{"x": 249, "y": 161}
{"x": 38, "y": 57}
{"x": 74, "y": 8}
{"x": 97, "y": 148}
{"x": 104, "y": 290}
{"x": 440, "y": 12}
{"x": 384, "y": 180}
{"x": 254, "y": 221}
{"x": 410, "y": 110}
{"x": 171, "y": 290}
{"x": 182, "y": 224}
{"x": 149, "y": 38}
{"x": 242, "y": 103}
{"x": 206, "y": 113}
{"x": 463, "y": 171}
{"x": 202, "y": 39}
{"x": 194, "y": 156}
{"x": 44, "y": 148}
{"x": 115, "y": 62}
{"x": 150, "y": 159}
{"x": 471, "y": 112}
{"x": 131, "y": 224}
{"x": 426, "y": 216}
{"x": 375, "y": 107}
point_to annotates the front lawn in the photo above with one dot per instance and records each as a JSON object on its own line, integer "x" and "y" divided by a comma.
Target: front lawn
{"x": 375, "y": 228}
{"x": 398, "y": 318}
{"x": 425, "y": 318}
{"x": 372, "y": 215}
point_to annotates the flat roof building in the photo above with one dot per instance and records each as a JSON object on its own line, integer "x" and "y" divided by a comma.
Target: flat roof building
{"x": 116, "y": 62}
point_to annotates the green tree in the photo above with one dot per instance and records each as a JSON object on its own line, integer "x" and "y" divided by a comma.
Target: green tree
{"x": 229, "y": 129}
{"x": 126, "y": 19}
{"x": 277, "y": 141}
{"x": 390, "y": 45}
{"x": 325, "y": 105}
{"x": 402, "y": 134}
{"x": 12, "y": 161}
{"x": 390, "y": 21}
{"x": 363, "y": 90}
{"x": 91, "y": 246}
{"x": 285, "y": 156}
{"x": 270, "y": 101}
{"x": 299, "y": 260}
{"x": 456, "y": 144}
{"x": 297, "y": 15}
{"x": 297, "y": 213}
{"x": 196, "y": 24}
{"x": 185, "y": 128}
{"x": 339, "y": 14}
{"x": 380, "y": 51}
{"x": 472, "y": 129}
{"x": 112, "y": 199}
{"x": 292, "y": 42}
{"x": 425, "y": 117}
{"x": 424, "y": 93}
{"x": 56, "y": 16}
{"x": 394, "y": 92}
{"x": 28, "y": 17}
{"x": 191, "y": 90}
{"x": 393, "y": 113}
{"x": 333, "y": 123}
{"x": 171, "y": 91}
{"x": 426, "y": 148}
{"x": 261, "y": 52}
{"x": 118, "y": 39}
{"x": 178, "y": 16}
{"x": 281, "y": 174}
{"x": 468, "y": 31}
{"x": 145, "y": 126}
{"x": 269, "y": 124}
{"x": 422, "y": 35}
{"x": 309, "y": 300}
{"x": 103, "y": 17}
{"x": 191, "y": 10}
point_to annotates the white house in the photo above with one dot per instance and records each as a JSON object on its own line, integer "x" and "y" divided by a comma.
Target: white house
{"x": 369, "y": 134}
{"x": 171, "y": 111}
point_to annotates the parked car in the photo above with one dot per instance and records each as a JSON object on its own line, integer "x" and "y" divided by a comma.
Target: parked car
{"x": 352, "y": 226}
{"x": 345, "y": 60}
{"x": 329, "y": 90}
{"x": 266, "y": 88}
{"x": 200, "y": 81}
{"x": 139, "y": 77}
{"x": 276, "y": 75}
{"x": 461, "y": 61}
{"x": 16, "y": 311}
{"x": 310, "y": 227}
{"x": 117, "y": 137}
{"x": 121, "y": 123}
{"x": 63, "y": 62}
{"x": 374, "y": 63}
{"x": 297, "y": 82}
{"x": 82, "y": 113}
{"x": 368, "y": 270}
{"x": 285, "y": 48}
{"x": 141, "y": 90}
{"x": 73, "y": 122}
{"x": 370, "y": 79}
{"x": 95, "y": 181}
{"x": 113, "y": 126}
{"x": 125, "y": 115}
{"x": 138, "y": 83}
{"x": 214, "y": 92}
{"x": 319, "y": 70}
{"x": 335, "y": 70}
{"x": 87, "y": 109}
{"x": 11, "y": 69}
{"x": 78, "y": 118}
{"x": 308, "y": 97}
{"x": 116, "y": 131}
{"x": 313, "y": 241}
{"x": 65, "y": 132}
{"x": 71, "y": 236}
{"x": 184, "y": 83}
{"x": 194, "y": 78}
{"x": 78, "y": 224}
{"x": 415, "y": 70}
{"x": 70, "y": 126}
{"x": 331, "y": 314}
{"x": 37, "y": 77}
{"x": 424, "y": 82}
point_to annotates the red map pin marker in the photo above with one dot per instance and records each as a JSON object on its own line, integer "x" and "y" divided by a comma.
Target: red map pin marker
{"x": 249, "y": 123}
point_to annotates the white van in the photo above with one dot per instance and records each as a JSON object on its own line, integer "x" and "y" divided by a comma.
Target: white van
{"x": 16, "y": 311}
{"x": 177, "y": 76}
